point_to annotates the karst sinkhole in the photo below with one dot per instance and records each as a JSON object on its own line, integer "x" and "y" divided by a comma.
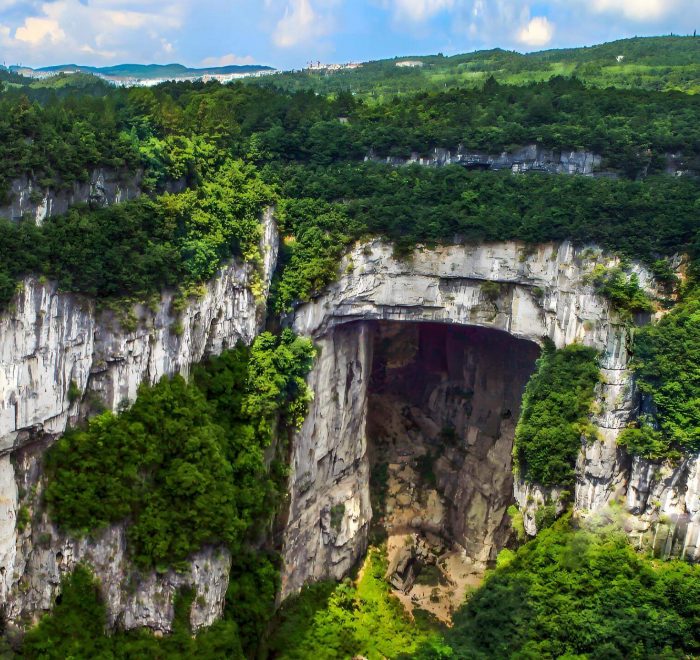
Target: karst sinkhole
{"x": 443, "y": 405}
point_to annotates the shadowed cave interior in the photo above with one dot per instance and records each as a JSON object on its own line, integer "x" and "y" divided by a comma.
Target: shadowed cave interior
{"x": 443, "y": 404}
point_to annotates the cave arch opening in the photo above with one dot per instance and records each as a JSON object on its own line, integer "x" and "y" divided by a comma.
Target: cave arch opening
{"x": 443, "y": 401}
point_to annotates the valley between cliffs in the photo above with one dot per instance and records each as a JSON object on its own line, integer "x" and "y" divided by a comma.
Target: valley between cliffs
{"x": 417, "y": 385}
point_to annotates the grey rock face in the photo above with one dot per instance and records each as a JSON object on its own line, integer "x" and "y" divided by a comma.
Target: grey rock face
{"x": 541, "y": 292}
{"x": 105, "y": 187}
{"x": 529, "y": 158}
{"x": 59, "y": 354}
{"x": 330, "y": 467}
{"x": 532, "y": 158}
{"x": 664, "y": 500}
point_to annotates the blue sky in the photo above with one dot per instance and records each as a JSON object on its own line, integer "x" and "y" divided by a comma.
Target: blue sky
{"x": 289, "y": 33}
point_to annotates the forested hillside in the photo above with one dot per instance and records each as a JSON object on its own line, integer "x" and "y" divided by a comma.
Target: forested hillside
{"x": 286, "y": 148}
{"x": 205, "y": 461}
{"x": 657, "y": 63}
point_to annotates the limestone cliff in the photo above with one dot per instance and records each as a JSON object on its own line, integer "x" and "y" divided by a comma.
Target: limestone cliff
{"x": 530, "y": 293}
{"x": 104, "y": 187}
{"x": 532, "y": 157}
{"x": 60, "y": 356}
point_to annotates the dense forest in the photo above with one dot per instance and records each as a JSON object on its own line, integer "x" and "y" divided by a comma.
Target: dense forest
{"x": 189, "y": 463}
{"x": 659, "y": 64}
{"x": 240, "y": 147}
{"x": 571, "y": 592}
{"x": 56, "y": 139}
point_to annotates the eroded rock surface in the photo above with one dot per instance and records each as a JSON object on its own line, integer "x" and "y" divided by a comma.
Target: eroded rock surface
{"x": 105, "y": 187}
{"x": 530, "y": 293}
{"x": 330, "y": 507}
{"x": 442, "y": 408}
{"x": 532, "y": 157}
{"x": 60, "y": 358}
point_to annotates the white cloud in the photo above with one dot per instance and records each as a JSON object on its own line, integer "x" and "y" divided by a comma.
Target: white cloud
{"x": 38, "y": 30}
{"x": 420, "y": 10}
{"x": 490, "y": 23}
{"x": 638, "y": 10}
{"x": 300, "y": 24}
{"x": 102, "y": 30}
{"x": 228, "y": 60}
{"x": 102, "y": 54}
{"x": 538, "y": 32}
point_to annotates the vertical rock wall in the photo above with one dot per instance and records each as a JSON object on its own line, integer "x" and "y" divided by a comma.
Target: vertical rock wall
{"x": 330, "y": 506}
{"x": 104, "y": 187}
{"x": 531, "y": 293}
{"x": 60, "y": 358}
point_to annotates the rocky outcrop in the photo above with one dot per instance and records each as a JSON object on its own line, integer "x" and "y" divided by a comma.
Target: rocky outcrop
{"x": 133, "y": 598}
{"x": 530, "y": 293}
{"x": 330, "y": 506}
{"x": 663, "y": 502}
{"x": 103, "y": 188}
{"x": 60, "y": 358}
{"x": 532, "y": 157}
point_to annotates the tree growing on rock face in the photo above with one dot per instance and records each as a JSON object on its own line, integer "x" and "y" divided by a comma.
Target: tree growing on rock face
{"x": 666, "y": 361}
{"x": 555, "y": 415}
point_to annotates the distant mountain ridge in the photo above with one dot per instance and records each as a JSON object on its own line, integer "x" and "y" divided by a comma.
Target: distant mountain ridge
{"x": 146, "y": 71}
{"x": 664, "y": 63}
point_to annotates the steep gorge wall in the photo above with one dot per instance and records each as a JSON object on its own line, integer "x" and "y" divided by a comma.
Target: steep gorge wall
{"x": 59, "y": 355}
{"x": 540, "y": 293}
{"x": 52, "y": 344}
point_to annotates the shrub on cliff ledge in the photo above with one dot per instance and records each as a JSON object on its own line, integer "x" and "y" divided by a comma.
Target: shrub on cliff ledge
{"x": 555, "y": 413}
{"x": 185, "y": 465}
{"x": 667, "y": 364}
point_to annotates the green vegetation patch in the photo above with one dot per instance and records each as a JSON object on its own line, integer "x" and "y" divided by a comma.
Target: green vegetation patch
{"x": 621, "y": 288}
{"x": 185, "y": 465}
{"x": 343, "y": 621}
{"x": 168, "y": 130}
{"x": 555, "y": 415}
{"x": 298, "y": 152}
{"x": 140, "y": 247}
{"x": 667, "y": 365}
{"x": 325, "y": 209}
{"x": 652, "y": 63}
{"x": 579, "y": 593}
